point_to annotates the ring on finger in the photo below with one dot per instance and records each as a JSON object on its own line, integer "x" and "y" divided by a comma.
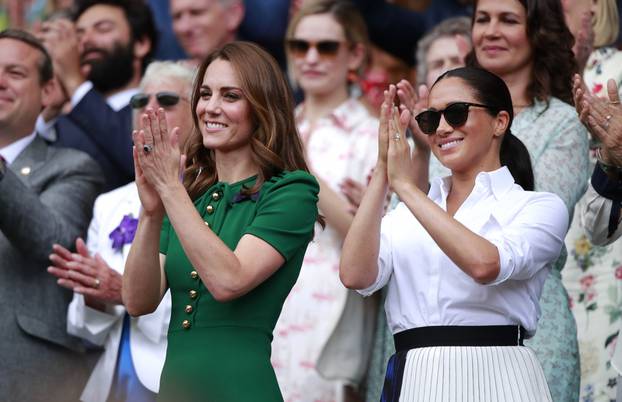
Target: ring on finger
{"x": 614, "y": 102}
{"x": 606, "y": 124}
{"x": 397, "y": 136}
{"x": 96, "y": 283}
{"x": 147, "y": 148}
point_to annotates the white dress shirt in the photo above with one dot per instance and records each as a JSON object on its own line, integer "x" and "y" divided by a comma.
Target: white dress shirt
{"x": 426, "y": 288}
{"x": 12, "y": 151}
{"x": 148, "y": 333}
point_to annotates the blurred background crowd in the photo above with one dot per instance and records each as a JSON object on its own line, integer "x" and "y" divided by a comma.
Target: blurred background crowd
{"x": 330, "y": 344}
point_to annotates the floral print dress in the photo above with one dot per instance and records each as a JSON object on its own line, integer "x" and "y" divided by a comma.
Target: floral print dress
{"x": 593, "y": 274}
{"x": 342, "y": 145}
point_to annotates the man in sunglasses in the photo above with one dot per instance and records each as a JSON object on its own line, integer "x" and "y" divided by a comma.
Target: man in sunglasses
{"x": 100, "y": 57}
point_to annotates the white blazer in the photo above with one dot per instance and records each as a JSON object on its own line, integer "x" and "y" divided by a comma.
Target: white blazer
{"x": 147, "y": 333}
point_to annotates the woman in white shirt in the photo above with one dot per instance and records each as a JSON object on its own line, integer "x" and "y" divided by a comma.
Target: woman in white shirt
{"x": 465, "y": 264}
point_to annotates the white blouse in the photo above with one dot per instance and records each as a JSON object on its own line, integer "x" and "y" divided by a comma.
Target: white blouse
{"x": 426, "y": 288}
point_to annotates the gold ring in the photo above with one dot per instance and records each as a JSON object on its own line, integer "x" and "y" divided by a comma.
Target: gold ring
{"x": 614, "y": 102}
{"x": 96, "y": 284}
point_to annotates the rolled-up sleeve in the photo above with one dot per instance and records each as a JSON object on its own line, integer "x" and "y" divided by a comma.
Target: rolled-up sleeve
{"x": 532, "y": 239}
{"x": 385, "y": 257}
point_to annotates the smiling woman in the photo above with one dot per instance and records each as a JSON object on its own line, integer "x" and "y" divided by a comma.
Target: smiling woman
{"x": 229, "y": 241}
{"x": 440, "y": 292}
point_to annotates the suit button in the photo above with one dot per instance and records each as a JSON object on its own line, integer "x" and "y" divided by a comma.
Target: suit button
{"x": 185, "y": 324}
{"x": 210, "y": 209}
{"x": 188, "y": 309}
{"x": 193, "y": 294}
{"x": 215, "y": 196}
{"x": 194, "y": 275}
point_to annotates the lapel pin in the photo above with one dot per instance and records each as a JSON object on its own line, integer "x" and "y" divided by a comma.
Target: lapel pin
{"x": 25, "y": 170}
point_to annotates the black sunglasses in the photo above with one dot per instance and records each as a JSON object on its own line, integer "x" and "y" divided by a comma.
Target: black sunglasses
{"x": 456, "y": 114}
{"x": 325, "y": 48}
{"x": 164, "y": 98}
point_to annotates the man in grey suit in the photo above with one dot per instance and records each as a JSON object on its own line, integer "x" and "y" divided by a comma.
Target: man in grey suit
{"x": 46, "y": 197}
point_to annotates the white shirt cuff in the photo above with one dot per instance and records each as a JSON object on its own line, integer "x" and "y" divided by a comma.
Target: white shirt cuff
{"x": 81, "y": 92}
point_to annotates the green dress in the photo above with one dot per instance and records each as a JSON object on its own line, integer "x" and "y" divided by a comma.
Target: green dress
{"x": 220, "y": 351}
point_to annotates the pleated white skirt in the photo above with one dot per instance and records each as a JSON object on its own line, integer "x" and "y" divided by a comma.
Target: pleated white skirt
{"x": 472, "y": 374}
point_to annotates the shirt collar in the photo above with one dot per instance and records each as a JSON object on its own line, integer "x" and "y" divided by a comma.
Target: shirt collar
{"x": 12, "y": 151}
{"x": 121, "y": 99}
{"x": 498, "y": 182}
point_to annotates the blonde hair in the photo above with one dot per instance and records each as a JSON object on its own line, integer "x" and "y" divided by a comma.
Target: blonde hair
{"x": 606, "y": 23}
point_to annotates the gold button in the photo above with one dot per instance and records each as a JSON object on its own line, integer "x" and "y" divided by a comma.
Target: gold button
{"x": 210, "y": 209}
{"x": 215, "y": 196}
{"x": 193, "y": 294}
{"x": 207, "y": 224}
{"x": 188, "y": 309}
{"x": 185, "y": 324}
{"x": 194, "y": 275}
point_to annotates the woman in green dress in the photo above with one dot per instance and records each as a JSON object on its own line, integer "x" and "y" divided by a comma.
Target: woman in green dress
{"x": 229, "y": 239}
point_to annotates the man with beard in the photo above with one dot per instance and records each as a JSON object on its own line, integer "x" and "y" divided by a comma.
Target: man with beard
{"x": 99, "y": 59}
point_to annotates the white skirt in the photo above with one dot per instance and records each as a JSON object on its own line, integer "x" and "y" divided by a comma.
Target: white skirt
{"x": 466, "y": 374}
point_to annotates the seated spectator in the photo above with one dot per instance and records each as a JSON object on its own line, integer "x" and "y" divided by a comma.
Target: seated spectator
{"x": 202, "y": 26}
{"x": 326, "y": 45}
{"x": 46, "y": 197}
{"x": 134, "y": 348}
{"x": 100, "y": 58}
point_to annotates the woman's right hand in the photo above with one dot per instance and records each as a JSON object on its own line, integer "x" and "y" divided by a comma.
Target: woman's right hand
{"x": 415, "y": 103}
{"x": 384, "y": 129}
{"x": 149, "y": 197}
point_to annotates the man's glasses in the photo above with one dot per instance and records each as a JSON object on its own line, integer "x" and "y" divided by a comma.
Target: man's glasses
{"x": 164, "y": 99}
{"x": 325, "y": 48}
{"x": 456, "y": 114}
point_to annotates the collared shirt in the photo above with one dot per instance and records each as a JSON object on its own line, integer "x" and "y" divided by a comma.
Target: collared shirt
{"x": 12, "y": 151}
{"x": 426, "y": 288}
{"x": 117, "y": 102}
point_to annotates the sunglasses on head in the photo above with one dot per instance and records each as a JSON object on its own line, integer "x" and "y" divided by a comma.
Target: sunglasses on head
{"x": 456, "y": 114}
{"x": 164, "y": 99}
{"x": 325, "y": 48}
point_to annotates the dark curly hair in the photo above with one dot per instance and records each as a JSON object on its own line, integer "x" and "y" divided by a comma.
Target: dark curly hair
{"x": 554, "y": 63}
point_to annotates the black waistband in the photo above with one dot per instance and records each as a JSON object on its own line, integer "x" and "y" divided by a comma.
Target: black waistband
{"x": 486, "y": 335}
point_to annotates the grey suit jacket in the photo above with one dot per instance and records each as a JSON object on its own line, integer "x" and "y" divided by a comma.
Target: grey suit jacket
{"x": 46, "y": 197}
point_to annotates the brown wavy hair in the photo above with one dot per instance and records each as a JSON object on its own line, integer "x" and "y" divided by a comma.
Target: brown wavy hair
{"x": 275, "y": 143}
{"x": 551, "y": 42}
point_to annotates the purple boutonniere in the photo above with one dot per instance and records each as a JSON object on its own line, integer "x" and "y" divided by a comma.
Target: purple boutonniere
{"x": 124, "y": 233}
{"x": 239, "y": 197}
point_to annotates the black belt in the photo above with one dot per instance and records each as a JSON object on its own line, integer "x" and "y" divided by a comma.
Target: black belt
{"x": 484, "y": 335}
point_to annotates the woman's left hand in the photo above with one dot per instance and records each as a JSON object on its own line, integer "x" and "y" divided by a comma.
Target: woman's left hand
{"x": 400, "y": 166}
{"x": 158, "y": 150}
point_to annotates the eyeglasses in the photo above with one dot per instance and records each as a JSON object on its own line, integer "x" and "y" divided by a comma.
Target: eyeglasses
{"x": 325, "y": 48}
{"x": 164, "y": 99}
{"x": 456, "y": 114}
